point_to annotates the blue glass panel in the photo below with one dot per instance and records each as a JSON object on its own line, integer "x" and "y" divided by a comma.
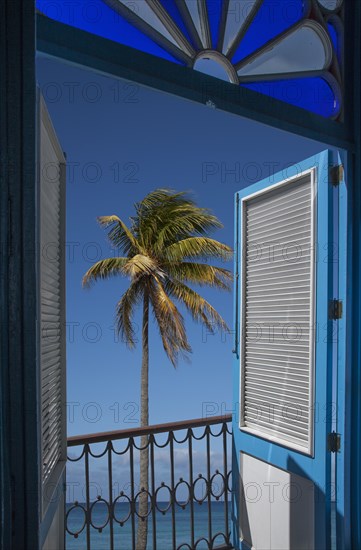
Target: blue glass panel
{"x": 313, "y": 94}
{"x": 214, "y": 9}
{"x": 335, "y": 40}
{"x": 271, "y": 19}
{"x": 98, "y": 18}
{"x": 171, "y": 7}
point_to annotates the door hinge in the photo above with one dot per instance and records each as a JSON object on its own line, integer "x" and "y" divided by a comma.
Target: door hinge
{"x": 334, "y": 442}
{"x": 336, "y": 174}
{"x": 335, "y": 310}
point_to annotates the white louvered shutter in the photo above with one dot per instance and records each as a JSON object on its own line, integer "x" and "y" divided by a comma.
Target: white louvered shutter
{"x": 277, "y": 314}
{"x": 51, "y": 299}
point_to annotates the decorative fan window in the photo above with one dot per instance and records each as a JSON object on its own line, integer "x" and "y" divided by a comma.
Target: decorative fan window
{"x": 290, "y": 50}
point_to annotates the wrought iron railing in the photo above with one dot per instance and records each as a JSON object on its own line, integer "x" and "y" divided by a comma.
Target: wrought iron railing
{"x": 188, "y": 510}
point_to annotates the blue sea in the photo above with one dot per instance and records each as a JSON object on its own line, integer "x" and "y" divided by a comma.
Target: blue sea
{"x": 123, "y": 534}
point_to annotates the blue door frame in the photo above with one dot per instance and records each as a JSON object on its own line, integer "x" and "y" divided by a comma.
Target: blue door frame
{"x": 331, "y": 243}
{"x": 343, "y": 355}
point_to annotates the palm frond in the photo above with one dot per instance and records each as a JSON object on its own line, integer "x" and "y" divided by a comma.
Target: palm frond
{"x": 125, "y": 309}
{"x": 165, "y": 216}
{"x": 119, "y": 235}
{"x": 184, "y": 222}
{"x": 198, "y": 307}
{"x": 197, "y": 247}
{"x": 141, "y": 265}
{"x": 200, "y": 274}
{"x": 104, "y": 269}
{"x": 170, "y": 322}
{"x": 152, "y": 208}
{"x": 158, "y": 198}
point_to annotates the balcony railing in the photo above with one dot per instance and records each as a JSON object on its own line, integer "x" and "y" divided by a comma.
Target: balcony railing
{"x": 188, "y": 495}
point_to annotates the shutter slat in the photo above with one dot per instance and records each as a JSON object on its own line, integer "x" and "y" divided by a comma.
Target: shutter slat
{"x": 49, "y": 345}
{"x": 274, "y": 397}
{"x": 292, "y": 332}
{"x": 50, "y": 271}
{"x": 270, "y": 310}
{"x": 274, "y": 387}
{"x": 274, "y": 296}
{"x": 50, "y": 373}
{"x": 277, "y": 338}
{"x": 279, "y": 211}
{"x": 270, "y": 316}
{"x": 49, "y": 364}
{"x": 277, "y": 421}
{"x": 267, "y": 265}
{"x": 276, "y": 200}
{"x": 48, "y": 288}
{"x": 276, "y": 347}
{"x": 294, "y": 434}
{"x": 277, "y": 245}
{"x": 281, "y": 276}
{"x": 51, "y": 393}
{"x": 282, "y": 354}
{"x": 270, "y": 413}
{"x": 271, "y": 362}
{"x": 274, "y": 381}
{"x": 297, "y": 369}
{"x": 273, "y": 225}
{"x": 274, "y": 374}
{"x": 50, "y": 298}
{"x": 289, "y": 255}
{"x": 266, "y": 401}
{"x": 302, "y": 240}
{"x": 272, "y": 234}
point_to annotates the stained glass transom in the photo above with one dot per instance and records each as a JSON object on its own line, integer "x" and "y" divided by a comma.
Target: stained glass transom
{"x": 290, "y": 50}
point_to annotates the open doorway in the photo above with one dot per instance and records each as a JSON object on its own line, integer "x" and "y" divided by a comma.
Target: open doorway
{"x": 122, "y": 141}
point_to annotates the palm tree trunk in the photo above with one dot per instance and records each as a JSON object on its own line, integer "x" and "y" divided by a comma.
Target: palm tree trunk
{"x": 144, "y": 421}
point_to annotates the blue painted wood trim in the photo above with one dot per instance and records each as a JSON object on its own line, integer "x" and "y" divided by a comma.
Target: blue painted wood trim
{"x": 19, "y": 490}
{"x": 235, "y": 419}
{"x": 78, "y": 46}
{"x": 344, "y": 331}
{"x": 354, "y": 280}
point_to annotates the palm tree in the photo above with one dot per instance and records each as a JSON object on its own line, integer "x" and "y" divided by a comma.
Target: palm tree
{"x": 162, "y": 250}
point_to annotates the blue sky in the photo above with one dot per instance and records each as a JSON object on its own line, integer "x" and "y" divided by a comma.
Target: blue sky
{"x": 122, "y": 141}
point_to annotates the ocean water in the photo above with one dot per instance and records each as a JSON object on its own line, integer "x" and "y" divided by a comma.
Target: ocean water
{"x": 123, "y": 534}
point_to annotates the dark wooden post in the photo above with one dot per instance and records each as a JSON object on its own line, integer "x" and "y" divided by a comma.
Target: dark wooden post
{"x": 19, "y": 438}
